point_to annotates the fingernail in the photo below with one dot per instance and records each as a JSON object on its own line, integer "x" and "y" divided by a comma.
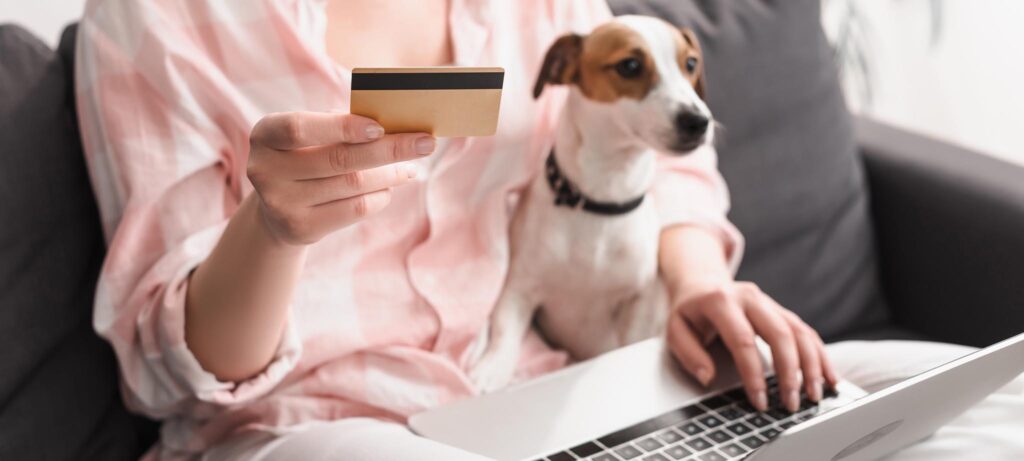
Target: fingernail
{"x": 425, "y": 145}
{"x": 703, "y": 375}
{"x": 374, "y": 131}
{"x": 793, "y": 400}
{"x": 761, "y": 400}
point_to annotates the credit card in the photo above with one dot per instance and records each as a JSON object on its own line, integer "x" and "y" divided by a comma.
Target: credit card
{"x": 444, "y": 101}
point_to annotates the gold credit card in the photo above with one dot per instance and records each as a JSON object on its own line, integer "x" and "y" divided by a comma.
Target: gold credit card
{"x": 444, "y": 101}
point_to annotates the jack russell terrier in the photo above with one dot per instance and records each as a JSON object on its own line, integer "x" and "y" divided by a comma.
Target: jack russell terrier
{"x": 584, "y": 242}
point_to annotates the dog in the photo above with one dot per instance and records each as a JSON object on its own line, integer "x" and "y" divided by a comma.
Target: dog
{"x": 584, "y": 241}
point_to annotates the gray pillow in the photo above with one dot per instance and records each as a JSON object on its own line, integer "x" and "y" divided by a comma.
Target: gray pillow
{"x": 788, "y": 154}
{"x": 58, "y": 386}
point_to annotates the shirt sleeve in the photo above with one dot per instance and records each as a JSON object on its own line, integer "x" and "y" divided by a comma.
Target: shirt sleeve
{"x": 166, "y": 165}
{"x": 689, "y": 190}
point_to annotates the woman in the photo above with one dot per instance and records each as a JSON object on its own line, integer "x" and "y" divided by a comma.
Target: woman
{"x": 286, "y": 281}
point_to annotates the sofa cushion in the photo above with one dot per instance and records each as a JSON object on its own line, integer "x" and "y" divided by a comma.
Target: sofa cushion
{"x": 58, "y": 389}
{"x": 788, "y": 154}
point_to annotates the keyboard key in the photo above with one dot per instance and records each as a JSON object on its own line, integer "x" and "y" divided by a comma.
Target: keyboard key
{"x": 585, "y": 449}
{"x": 649, "y": 444}
{"x": 806, "y": 403}
{"x": 753, "y": 442}
{"x": 805, "y": 416}
{"x": 713, "y": 456}
{"x": 745, "y": 406}
{"x": 730, "y": 413}
{"x": 733, "y": 450}
{"x": 656, "y": 457}
{"x": 787, "y": 424}
{"x": 719, "y": 436}
{"x": 563, "y": 456}
{"x": 606, "y": 457}
{"x": 758, "y": 421}
{"x": 710, "y": 421}
{"x": 677, "y": 451}
{"x": 739, "y": 428}
{"x": 736, "y": 395}
{"x": 778, "y": 413}
{"x": 717, "y": 401}
{"x": 770, "y": 433}
{"x": 628, "y": 452}
{"x": 698, "y": 444}
{"x": 772, "y": 380}
{"x": 690, "y": 428}
{"x": 670, "y": 436}
{"x": 651, "y": 426}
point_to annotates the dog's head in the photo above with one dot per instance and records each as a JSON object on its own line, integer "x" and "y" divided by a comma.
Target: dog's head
{"x": 648, "y": 73}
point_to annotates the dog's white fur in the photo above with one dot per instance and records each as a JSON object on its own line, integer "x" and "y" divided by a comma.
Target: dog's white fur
{"x": 592, "y": 280}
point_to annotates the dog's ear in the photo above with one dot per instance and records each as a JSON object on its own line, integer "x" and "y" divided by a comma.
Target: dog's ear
{"x": 561, "y": 63}
{"x": 691, "y": 39}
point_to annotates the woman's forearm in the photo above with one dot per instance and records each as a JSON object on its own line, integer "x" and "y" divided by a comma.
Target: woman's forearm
{"x": 313, "y": 173}
{"x": 237, "y": 301}
{"x": 691, "y": 255}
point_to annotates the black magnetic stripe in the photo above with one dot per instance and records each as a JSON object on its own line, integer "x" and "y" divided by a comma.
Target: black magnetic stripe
{"x": 428, "y": 81}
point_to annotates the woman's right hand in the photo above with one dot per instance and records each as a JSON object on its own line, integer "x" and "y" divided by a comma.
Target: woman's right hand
{"x": 318, "y": 172}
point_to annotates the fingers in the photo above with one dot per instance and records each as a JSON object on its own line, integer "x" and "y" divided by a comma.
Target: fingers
{"x": 324, "y": 190}
{"x": 738, "y": 336}
{"x": 340, "y": 213}
{"x": 775, "y": 330}
{"x": 812, "y": 337}
{"x": 814, "y": 383}
{"x": 336, "y": 159}
{"x": 831, "y": 377}
{"x": 689, "y": 350}
{"x": 295, "y": 130}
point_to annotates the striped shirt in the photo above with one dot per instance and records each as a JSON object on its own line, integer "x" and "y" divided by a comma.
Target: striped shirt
{"x": 386, "y": 310}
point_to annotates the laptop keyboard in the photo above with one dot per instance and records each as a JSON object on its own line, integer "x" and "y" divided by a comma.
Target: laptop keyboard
{"x": 719, "y": 428}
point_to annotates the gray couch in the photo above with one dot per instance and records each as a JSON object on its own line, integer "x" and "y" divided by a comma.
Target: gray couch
{"x": 863, "y": 229}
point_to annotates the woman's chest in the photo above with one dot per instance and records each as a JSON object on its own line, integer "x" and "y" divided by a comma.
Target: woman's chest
{"x": 371, "y": 33}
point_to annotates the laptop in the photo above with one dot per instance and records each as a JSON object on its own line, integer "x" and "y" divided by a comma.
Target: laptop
{"x": 635, "y": 403}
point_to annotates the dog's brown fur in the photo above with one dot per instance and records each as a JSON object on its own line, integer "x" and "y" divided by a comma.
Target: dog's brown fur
{"x": 589, "y": 63}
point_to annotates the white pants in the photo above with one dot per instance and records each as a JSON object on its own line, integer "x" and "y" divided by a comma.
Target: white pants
{"x": 992, "y": 430}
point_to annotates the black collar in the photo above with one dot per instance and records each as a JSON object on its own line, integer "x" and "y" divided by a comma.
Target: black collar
{"x": 567, "y": 194}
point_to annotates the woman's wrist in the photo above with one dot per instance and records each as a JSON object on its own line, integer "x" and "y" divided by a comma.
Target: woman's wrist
{"x": 253, "y": 212}
{"x": 692, "y": 258}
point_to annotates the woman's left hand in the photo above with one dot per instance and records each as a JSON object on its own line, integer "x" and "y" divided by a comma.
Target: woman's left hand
{"x": 738, "y": 312}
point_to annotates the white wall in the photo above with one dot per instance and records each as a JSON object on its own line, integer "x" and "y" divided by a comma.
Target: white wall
{"x": 46, "y": 18}
{"x": 968, "y": 87}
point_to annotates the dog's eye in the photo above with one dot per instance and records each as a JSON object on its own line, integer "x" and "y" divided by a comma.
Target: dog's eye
{"x": 691, "y": 64}
{"x": 629, "y": 68}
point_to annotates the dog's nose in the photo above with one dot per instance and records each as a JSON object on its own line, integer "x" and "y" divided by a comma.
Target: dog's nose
{"x": 691, "y": 123}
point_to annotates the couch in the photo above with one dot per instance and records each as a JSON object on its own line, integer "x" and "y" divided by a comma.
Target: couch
{"x": 865, "y": 230}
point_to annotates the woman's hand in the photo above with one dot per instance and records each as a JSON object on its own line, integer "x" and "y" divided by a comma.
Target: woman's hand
{"x": 318, "y": 172}
{"x": 738, "y": 312}
{"x": 313, "y": 173}
{"x": 707, "y": 303}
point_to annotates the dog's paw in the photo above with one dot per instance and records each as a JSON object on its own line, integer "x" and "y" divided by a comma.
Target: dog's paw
{"x": 492, "y": 374}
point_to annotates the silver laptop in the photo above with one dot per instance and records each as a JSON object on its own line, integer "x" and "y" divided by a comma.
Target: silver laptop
{"x": 635, "y": 403}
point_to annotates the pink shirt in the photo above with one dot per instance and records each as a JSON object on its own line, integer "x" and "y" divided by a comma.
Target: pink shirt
{"x": 386, "y": 309}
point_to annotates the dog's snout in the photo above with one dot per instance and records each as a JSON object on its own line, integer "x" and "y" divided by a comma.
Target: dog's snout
{"x": 691, "y": 123}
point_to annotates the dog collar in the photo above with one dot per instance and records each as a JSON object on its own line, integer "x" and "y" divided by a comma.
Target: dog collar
{"x": 567, "y": 194}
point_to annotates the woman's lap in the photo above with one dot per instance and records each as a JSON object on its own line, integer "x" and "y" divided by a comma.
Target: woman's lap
{"x": 353, "y": 439}
{"x": 990, "y": 430}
